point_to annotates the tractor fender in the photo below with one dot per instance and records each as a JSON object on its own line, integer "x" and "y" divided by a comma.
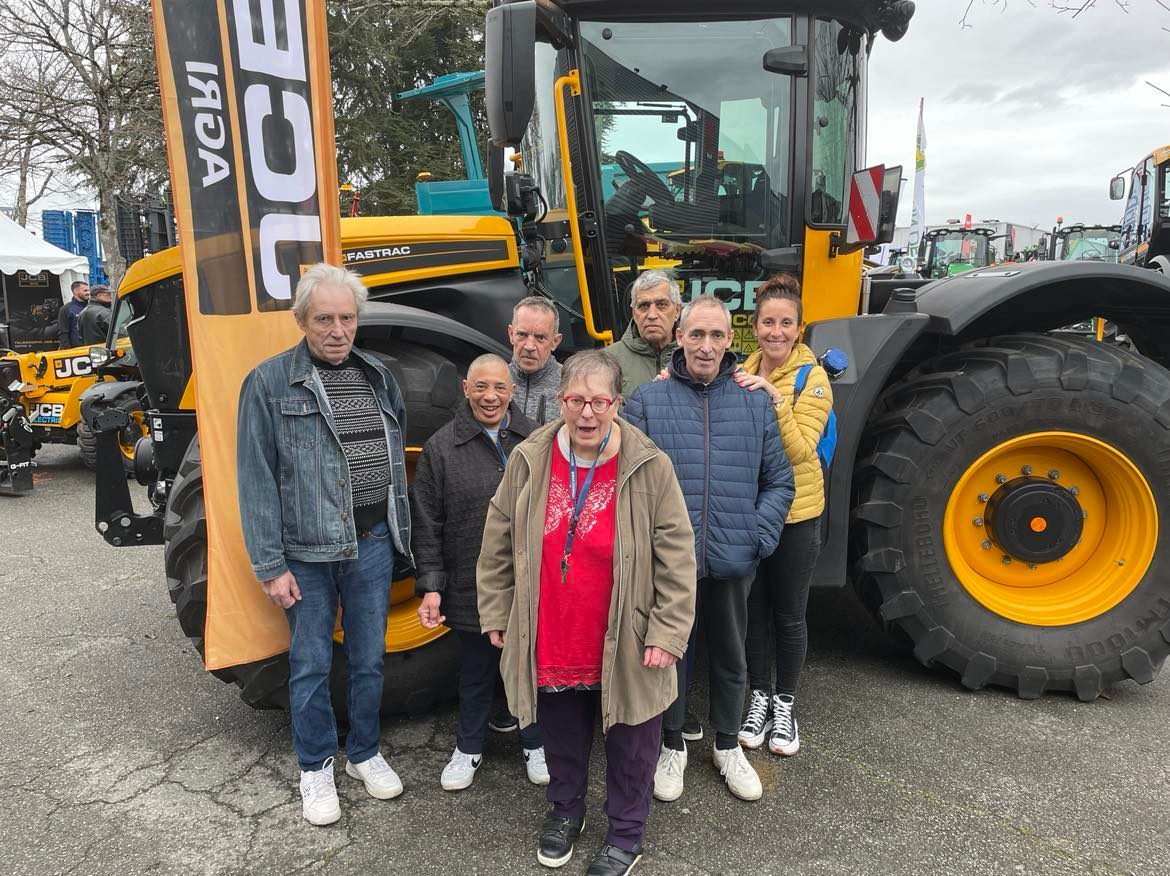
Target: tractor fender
{"x": 104, "y": 393}
{"x": 1041, "y": 296}
{"x": 421, "y": 323}
{"x": 875, "y": 346}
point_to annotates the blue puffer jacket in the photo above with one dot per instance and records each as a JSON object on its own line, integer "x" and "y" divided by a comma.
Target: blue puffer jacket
{"x": 726, "y": 450}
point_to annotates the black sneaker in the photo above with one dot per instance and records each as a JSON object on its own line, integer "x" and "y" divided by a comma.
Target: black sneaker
{"x": 557, "y": 837}
{"x": 612, "y": 861}
{"x": 692, "y": 730}
{"x": 503, "y": 722}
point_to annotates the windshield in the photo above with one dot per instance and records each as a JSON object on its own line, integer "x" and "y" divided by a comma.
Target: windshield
{"x": 694, "y": 135}
{"x": 957, "y": 252}
{"x": 1090, "y": 244}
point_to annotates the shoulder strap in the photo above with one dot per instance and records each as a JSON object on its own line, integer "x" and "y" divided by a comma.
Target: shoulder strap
{"x": 801, "y": 379}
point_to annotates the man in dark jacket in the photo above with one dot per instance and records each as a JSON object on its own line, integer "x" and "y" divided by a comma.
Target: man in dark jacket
{"x": 725, "y": 446}
{"x": 457, "y": 474}
{"x": 68, "y": 335}
{"x": 645, "y": 348}
{"x": 94, "y": 322}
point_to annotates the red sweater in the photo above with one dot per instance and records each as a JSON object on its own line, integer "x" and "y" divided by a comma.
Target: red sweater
{"x": 574, "y": 615}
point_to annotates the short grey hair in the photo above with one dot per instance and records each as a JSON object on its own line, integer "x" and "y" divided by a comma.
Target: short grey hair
{"x": 328, "y": 275}
{"x": 652, "y": 279}
{"x": 583, "y": 365}
{"x": 538, "y": 302}
{"x": 704, "y": 301}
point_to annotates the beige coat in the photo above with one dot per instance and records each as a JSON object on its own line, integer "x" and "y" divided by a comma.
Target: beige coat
{"x": 801, "y": 426}
{"x": 653, "y": 600}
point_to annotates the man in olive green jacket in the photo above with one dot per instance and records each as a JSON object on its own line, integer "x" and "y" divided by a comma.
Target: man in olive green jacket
{"x": 653, "y": 601}
{"x": 644, "y": 350}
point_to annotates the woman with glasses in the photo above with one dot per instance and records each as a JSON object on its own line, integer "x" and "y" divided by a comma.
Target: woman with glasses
{"x": 587, "y": 582}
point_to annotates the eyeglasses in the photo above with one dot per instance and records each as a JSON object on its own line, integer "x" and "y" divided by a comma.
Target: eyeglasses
{"x": 576, "y": 403}
{"x": 645, "y": 304}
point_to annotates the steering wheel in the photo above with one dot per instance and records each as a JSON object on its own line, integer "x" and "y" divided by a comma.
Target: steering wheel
{"x": 644, "y": 180}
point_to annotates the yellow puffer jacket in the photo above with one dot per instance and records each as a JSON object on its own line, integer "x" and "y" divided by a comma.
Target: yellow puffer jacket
{"x": 801, "y": 426}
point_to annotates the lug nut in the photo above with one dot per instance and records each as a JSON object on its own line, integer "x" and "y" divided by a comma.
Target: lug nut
{"x": 1031, "y": 567}
{"x": 986, "y": 545}
{"x": 978, "y": 521}
{"x": 1053, "y": 474}
{"x": 1007, "y": 561}
{"x": 1120, "y": 562}
{"x": 1026, "y": 470}
{"x": 1000, "y": 479}
{"x": 983, "y": 497}
{"x": 1076, "y": 491}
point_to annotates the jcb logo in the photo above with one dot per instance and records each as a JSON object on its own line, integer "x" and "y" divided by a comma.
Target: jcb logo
{"x": 44, "y": 412}
{"x": 79, "y": 366}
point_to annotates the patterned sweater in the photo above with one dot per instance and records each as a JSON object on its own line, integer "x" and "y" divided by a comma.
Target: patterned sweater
{"x": 363, "y": 437}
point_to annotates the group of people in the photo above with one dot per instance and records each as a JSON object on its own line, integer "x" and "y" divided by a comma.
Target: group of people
{"x": 85, "y": 317}
{"x": 576, "y": 525}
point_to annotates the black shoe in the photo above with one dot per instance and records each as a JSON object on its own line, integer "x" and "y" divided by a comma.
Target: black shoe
{"x": 557, "y": 837}
{"x": 503, "y": 722}
{"x": 612, "y": 861}
{"x": 692, "y": 730}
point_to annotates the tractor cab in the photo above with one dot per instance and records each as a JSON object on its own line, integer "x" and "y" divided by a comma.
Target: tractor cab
{"x": 1091, "y": 243}
{"x": 717, "y": 142}
{"x": 1145, "y": 224}
{"x": 950, "y": 250}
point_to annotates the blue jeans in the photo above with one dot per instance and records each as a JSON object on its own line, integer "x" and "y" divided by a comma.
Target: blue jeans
{"x": 363, "y": 586}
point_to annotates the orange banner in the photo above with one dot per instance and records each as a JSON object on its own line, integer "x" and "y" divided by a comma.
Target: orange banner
{"x": 249, "y": 123}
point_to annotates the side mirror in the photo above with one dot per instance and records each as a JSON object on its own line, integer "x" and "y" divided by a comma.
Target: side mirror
{"x": 792, "y": 60}
{"x": 1117, "y": 188}
{"x": 509, "y": 47}
{"x": 872, "y": 208}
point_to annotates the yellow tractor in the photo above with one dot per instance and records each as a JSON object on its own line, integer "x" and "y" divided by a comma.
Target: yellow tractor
{"x": 999, "y": 497}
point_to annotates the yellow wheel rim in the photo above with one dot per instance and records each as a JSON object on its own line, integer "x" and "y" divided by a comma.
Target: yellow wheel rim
{"x": 128, "y": 437}
{"x": 1118, "y": 539}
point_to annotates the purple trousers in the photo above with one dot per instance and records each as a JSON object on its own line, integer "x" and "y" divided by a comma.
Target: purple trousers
{"x": 566, "y": 721}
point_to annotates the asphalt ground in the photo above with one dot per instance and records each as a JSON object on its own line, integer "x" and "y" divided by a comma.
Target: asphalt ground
{"x": 121, "y": 755}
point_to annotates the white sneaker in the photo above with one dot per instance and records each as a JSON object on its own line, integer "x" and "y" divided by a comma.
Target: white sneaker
{"x": 459, "y": 772}
{"x": 741, "y": 778}
{"x": 758, "y": 721}
{"x": 379, "y": 777}
{"x": 536, "y": 766}
{"x": 668, "y": 775}
{"x": 319, "y": 796}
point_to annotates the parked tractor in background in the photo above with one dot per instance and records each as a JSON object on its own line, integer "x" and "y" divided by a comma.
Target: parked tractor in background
{"x": 1096, "y": 243}
{"x": 999, "y": 498}
{"x": 1145, "y": 224}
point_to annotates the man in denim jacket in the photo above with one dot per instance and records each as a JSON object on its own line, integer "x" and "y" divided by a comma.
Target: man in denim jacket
{"x": 322, "y": 490}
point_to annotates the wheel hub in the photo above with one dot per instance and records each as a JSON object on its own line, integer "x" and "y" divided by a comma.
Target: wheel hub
{"x": 1034, "y": 519}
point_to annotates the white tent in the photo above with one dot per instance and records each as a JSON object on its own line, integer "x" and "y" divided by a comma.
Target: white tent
{"x": 21, "y": 251}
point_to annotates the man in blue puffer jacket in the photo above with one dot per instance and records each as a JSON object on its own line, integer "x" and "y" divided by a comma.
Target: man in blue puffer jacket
{"x": 727, "y": 454}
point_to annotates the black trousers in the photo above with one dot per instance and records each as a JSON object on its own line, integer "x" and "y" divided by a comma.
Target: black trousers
{"x": 778, "y": 600}
{"x": 479, "y": 667}
{"x": 631, "y": 754}
{"x": 722, "y": 610}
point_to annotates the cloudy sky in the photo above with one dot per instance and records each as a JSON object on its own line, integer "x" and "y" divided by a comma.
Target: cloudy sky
{"x": 1028, "y": 111}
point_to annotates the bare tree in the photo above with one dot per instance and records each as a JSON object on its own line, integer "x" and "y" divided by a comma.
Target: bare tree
{"x": 88, "y": 96}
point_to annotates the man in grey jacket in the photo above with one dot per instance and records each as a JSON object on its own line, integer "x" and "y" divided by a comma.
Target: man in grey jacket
{"x": 644, "y": 350}
{"x": 534, "y": 334}
{"x": 322, "y": 491}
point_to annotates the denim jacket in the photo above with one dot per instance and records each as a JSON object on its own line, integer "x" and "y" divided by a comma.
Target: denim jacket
{"x": 294, "y": 487}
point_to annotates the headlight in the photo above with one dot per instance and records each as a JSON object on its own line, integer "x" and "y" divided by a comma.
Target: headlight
{"x": 906, "y": 264}
{"x": 99, "y": 356}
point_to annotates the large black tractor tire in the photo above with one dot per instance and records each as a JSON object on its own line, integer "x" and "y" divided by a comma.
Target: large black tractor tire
{"x": 947, "y": 421}
{"x": 412, "y": 680}
{"x": 87, "y": 439}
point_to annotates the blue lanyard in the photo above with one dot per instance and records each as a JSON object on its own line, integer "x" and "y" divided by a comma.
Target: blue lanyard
{"x": 578, "y": 499}
{"x": 497, "y": 444}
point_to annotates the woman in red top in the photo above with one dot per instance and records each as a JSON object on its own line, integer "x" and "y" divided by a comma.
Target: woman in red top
{"x": 586, "y": 580}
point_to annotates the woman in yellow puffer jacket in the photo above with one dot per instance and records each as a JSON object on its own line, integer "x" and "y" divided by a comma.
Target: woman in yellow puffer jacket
{"x": 780, "y": 594}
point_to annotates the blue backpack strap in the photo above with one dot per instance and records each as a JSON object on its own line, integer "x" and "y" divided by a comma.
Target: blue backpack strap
{"x": 802, "y": 374}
